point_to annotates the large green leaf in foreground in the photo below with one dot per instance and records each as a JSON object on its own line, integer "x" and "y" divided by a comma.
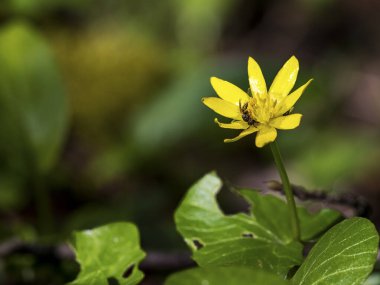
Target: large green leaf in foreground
{"x": 260, "y": 240}
{"x": 107, "y": 253}
{"x": 224, "y": 276}
{"x": 217, "y": 239}
{"x": 345, "y": 255}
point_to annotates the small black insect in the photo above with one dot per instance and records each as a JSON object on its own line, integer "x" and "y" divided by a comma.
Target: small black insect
{"x": 245, "y": 114}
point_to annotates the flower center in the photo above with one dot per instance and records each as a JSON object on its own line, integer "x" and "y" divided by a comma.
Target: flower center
{"x": 259, "y": 110}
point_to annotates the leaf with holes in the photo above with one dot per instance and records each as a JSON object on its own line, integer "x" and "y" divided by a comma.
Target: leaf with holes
{"x": 225, "y": 276}
{"x": 345, "y": 255}
{"x": 241, "y": 239}
{"x": 107, "y": 254}
{"x": 272, "y": 212}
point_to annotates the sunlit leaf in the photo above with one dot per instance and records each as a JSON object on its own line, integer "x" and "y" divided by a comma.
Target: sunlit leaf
{"x": 110, "y": 253}
{"x": 220, "y": 240}
{"x": 225, "y": 276}
{"x": 344, "y": 255}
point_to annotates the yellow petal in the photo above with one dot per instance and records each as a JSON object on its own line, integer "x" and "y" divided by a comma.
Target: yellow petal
{"x": 256, "y": 78}
{"x": 237, "y": 125}
{"x": 286, "y": 122}
{"x": 291, "y": 99}
{"x": 265, "y": 135}
{"x": 228, "y": 91}
{"x": 285, "y": 79}
{"x": 244, "y": 133}
{"x": 222, "y": 107}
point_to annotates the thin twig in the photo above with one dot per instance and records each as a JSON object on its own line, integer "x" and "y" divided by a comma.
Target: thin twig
{"x": 155, "y": 261}
{"x": 356, "y": 202}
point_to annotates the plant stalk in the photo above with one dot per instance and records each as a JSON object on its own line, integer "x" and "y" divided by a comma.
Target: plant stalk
{"x": 294, "y": 220}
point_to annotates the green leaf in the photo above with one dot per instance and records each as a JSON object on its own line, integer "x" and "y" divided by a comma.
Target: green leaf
{"x": 373, "y": 279}
{"x": 225, "y": 276}
{"x": 272, "y": 212}
{"x": 106, "y": 253}
{"x": 344, "y": 255}
{"x": 241, "y": 239}
{"x": 313, "y": 225}
{"x": 33, "y": 107}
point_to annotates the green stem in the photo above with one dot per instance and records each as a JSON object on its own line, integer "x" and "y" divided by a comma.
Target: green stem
{"x": 287, "y": 189}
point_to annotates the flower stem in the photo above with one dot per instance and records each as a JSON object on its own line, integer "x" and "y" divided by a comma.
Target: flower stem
{"x": 287, "y": 189}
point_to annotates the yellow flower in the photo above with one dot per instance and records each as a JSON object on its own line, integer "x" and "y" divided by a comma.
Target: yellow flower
{"x": 262, "y": 112}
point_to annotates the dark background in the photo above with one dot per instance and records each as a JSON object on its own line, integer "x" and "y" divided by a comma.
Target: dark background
{"x": 101, "y": 117}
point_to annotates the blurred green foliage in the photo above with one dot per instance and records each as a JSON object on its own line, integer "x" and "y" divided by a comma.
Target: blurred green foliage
{"x": 334, "y": 159}
{"x": 38, "y": 7}
{"x": 33, "y": 121}
{"x": 109, "y": 70}
{"x": 100, "y": 106}
{"x": 34, "y": 112}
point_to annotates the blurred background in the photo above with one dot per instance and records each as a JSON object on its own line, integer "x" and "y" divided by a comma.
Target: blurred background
{"x": 101, "y": 117}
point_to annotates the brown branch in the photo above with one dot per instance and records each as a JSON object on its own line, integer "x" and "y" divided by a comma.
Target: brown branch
{"x": 155, "y": 261}
{"x": 351, "y": 200}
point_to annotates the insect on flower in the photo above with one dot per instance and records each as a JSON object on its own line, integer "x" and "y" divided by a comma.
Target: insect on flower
{"x": 262, "y": 111}
{"x": 245, "y": 115}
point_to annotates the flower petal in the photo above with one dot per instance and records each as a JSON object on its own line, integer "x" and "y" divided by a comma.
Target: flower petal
{"x": 291, "y": 99}
{"x": 286, "y": 122}
{"x": 237, "y": 125}
{"x": 285, "y": 79}
{"x": 244, "y": 133}
{"x": 256, "y": 78}
{"x": 222, "y": 107}
{"x": 265, "y": 135}
{"x": 228, "y": 91}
